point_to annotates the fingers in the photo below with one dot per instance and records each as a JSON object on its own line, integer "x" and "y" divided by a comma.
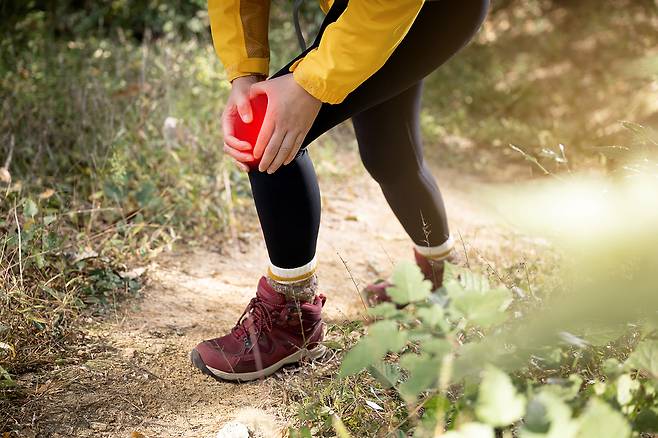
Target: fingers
{"x": 244, "y": 107}
{"x": 293, "y": 153}
{"x": 227, "y": 129}
{"x": 243, "y": 167}
{"x": 227, "y": 126}
{"x": 265, "y": 135}
{"x": 267, "y": 128}
{"x": 286, "y": 148}
{"x": 257, "y": 88}
{"x": 237, "y": 155}
{"x": 236, "y": 143}
{"x": 271, "y": 150}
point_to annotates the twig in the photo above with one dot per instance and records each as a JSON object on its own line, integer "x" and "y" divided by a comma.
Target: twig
{"x": 12, "y": 143}
{"x": 527, "y": 277}
{"x": 228, "y": 194}
{"x": 461, "y": 239}
{"x": 356, "y": 286}
{"x": 20, "y": 246}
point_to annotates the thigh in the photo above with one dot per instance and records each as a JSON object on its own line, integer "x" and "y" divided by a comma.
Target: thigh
{"x": 440, "y": 30}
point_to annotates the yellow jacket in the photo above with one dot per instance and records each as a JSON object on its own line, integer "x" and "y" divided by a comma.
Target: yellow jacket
{"x": 350, "y": 51}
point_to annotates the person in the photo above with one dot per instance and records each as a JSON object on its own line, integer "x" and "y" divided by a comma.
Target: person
{"x": 367, "y": 63}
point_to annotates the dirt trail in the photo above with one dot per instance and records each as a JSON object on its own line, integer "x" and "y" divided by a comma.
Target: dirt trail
{"x": 141, "y": 380}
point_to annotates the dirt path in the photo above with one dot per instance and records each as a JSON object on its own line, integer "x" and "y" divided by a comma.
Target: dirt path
{"x": 141, "y": 383}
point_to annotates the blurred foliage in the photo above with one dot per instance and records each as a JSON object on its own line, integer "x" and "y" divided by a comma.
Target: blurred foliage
{"x": 78, "y": 18}
{"x": 577, "y": 359}
{"x": 541, "y": 74}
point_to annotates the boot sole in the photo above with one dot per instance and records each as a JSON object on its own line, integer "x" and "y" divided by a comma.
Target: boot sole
{"x": 297, "y": 356}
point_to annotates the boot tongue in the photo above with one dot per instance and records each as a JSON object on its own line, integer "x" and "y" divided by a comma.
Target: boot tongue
{"x": 269, "y": 295}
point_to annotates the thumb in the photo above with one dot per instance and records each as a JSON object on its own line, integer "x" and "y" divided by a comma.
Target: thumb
{"x": 258, "y": 88}
{"x": 244, "y": 109}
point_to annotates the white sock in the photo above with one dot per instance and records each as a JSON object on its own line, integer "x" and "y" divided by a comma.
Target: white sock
{"x": 440, "y": 252}
{"x": 292, "y": 275}
{"x": 298, "y": 284}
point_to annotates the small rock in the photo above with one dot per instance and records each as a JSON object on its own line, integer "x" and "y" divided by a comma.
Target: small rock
{"x": 233, "y": 429}
{"x": 128, "y": 353}
{"x": 5, "y": 176}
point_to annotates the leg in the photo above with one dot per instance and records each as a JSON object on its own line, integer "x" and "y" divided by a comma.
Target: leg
{"x": 444, "y": 26}
{"x": 390, "y": 145}
{"x": 288, "y": 205}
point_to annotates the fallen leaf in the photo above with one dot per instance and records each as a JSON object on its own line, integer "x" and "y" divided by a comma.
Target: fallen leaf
{"x": 46, "y": 194}
{"x": 374, "y": 405}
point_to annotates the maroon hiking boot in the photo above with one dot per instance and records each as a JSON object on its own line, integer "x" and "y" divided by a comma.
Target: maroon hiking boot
{"x": 272, "y": 332}
{"x": 433, "y": 270}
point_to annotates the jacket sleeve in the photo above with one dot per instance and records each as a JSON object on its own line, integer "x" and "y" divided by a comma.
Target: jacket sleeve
{"x": 354, "y": 47}
{"x": 240, "y": 35}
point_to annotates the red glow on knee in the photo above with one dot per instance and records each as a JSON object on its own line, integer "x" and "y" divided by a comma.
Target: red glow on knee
{"x": 249, "y": 131}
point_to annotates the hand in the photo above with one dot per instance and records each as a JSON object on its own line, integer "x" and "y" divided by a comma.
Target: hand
{"x": 290, "y": 113}
{"x": 238, "y": 105}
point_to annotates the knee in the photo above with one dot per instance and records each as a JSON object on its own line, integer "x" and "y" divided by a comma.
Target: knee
{"x": 379, "y": 167}
{"x": 387, "y": 170}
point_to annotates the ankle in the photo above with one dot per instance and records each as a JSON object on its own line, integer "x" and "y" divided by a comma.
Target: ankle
{"x": 302, "y": 291}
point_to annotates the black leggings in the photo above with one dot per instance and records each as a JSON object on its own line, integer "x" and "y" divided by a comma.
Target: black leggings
{"x": 385, "y": 111}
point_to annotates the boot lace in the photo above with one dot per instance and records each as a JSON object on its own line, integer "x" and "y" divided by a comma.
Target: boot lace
{"x": 257, "y": 316}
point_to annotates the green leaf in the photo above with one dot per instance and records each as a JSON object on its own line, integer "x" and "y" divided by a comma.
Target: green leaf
{"x": 471, "y": 430}
{"x": 478, "y": 304}
{"x": 611, "y": 368}
{"x": 387, "y": 374}
{"x": 601, "y": 421}
{"x": 437, "y": 405}
{"x": 498, "y": 403}
{"x": 548, "y": 417}
{"x": 475, "y": 282}
{"x": 409, "y": 284}
{"x": 30, "y": 208}
{"x": 423, "y": 372}
{"x": 566, "y": 389}
{"x": 645, "y": 357}
{"x": 626, "y": 386}
{"x": 647, "y": 420}
{"x": 383, "y": 336}
{"x": 432, "y": 316}
{"x": 384, "y": 310}
{"x": 5, "y": 378}
{"x": 304, "y": 432}
{"x": 436, "y": 346}
{"x": 601, "y": 335}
